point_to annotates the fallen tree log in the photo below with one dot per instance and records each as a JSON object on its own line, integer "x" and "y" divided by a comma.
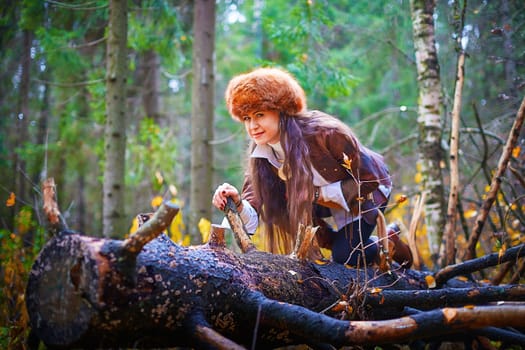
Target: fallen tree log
{"x": 77, "y": 297}
{"x": 147, "y": 292}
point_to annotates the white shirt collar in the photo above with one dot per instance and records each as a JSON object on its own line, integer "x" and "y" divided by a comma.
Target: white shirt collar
{"x": 268, "y": 152}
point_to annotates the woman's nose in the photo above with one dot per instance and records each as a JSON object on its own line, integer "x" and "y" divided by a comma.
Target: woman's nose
{"x": 253, "y": 124}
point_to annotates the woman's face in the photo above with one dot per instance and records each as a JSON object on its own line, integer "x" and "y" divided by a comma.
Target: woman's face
{"x": 262, "y": 126}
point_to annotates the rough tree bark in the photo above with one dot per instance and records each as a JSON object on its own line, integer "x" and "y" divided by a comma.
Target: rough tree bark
{"x": 202, "y": 114}
{"x": 146, "y": 292}
{"x": 113, "y": 188}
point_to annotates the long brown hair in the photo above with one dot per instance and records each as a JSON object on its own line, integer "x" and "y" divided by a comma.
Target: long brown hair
{"x": 286, "y": 204}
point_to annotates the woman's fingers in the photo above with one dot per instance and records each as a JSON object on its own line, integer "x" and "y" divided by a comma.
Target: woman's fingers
{"x": 222, "y": 193}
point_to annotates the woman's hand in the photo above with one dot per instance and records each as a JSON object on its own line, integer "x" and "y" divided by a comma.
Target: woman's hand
{"x": 222, "y": 193}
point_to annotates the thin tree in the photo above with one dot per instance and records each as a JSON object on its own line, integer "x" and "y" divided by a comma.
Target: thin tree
{"x": 22, "y": 119}
{"x": 430, "y": 104}
{"x": 202, "y": 114}
{"x": 115, "y": 129}
{"x": 449, "y": 235}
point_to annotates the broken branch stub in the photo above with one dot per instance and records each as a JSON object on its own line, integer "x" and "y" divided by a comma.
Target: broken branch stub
{"x": 151, "y": 228}
{"x": 217, "y": 237}
{"x": 50, "y": 207}
{"x": 303, "y": 243}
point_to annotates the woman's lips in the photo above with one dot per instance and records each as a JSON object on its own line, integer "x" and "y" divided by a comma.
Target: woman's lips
{"x": 257, "y": 135}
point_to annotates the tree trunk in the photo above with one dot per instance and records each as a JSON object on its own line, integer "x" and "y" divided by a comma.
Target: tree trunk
{"x": 150, "y": 74}
{"x": 429, "y": 119}
{"x": 22, "y": 126}
{"x": 146, "y": 291}
{"x": 449, "y": 235}
{"x": 115, "y": 129}
{"x": 202, "y": 115}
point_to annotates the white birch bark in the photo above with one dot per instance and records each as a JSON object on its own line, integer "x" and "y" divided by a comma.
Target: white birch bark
{"x": 429, "y": 119}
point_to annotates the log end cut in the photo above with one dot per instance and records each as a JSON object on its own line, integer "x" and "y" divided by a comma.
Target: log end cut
{"x": 61, "y": 279}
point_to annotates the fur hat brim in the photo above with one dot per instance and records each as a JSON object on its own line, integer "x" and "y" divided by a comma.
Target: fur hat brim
{"x": 264, "y": 89}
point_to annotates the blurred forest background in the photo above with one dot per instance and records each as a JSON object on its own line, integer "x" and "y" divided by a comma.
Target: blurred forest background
{"x": 355, "y": 59}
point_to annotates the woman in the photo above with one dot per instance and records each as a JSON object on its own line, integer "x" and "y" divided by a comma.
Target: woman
{"x": 305, "y": 167}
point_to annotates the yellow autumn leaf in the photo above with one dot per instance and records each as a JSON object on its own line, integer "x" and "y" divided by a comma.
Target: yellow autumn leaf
{"x": 469, "y": 306}
{"x": 462, "y": 278}
{"x": 11, "y": 200}
{"x": 177, "y": 229}
{"x": 321, "y": 262}
{"x": 134, "y": 225}
{"x": 470, "y": 213}
{"x": 375, "y": 290}
{"x": 204, "y": 228}
{"x": 156, "y": 202}
{"x": 186, "y": 241}
{"x": 418, "y": 178}
{"x": 347, "y": 162}
{"x": 431, "y": 281}
{"x": 502, "y": 250}
{"x": 159, "y": 177}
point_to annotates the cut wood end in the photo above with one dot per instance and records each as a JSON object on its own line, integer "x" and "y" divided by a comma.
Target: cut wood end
{"x": 217, "y": 236}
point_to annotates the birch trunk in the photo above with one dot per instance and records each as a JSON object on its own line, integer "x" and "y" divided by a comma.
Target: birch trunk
{"x": 429, "y": 119}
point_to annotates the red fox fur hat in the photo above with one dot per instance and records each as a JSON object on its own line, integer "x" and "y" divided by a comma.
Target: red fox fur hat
{"x": 264, "y": 89}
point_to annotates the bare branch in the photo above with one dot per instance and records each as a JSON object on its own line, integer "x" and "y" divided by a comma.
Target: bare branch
{"x": 496, "y": 180}
{"x": 473, "y": 265}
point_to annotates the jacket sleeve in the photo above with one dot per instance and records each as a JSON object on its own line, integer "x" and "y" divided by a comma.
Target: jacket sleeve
{"x": 248, "y": 193}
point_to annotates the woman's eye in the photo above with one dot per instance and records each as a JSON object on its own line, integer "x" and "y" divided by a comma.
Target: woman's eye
{"x": 259, "y": 115}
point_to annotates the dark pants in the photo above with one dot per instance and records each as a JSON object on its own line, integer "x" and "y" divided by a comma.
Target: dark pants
{"x": 346, "y": 243}
{"x": 347, "y": 247}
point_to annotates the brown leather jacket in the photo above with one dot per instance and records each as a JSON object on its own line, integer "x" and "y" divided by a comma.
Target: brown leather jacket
{"x": 327, "y": 154}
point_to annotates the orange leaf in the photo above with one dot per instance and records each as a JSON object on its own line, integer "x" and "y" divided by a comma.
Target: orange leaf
{"x": 340, "y": 306}
{"x": 402, "y": 198}
{"x": 376, "y": 290}
{"x": 320, "y": 262}
{"x": 431, "y": 281}
{"x": 11, "y": 200}
{"x": 516, "y": 151}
